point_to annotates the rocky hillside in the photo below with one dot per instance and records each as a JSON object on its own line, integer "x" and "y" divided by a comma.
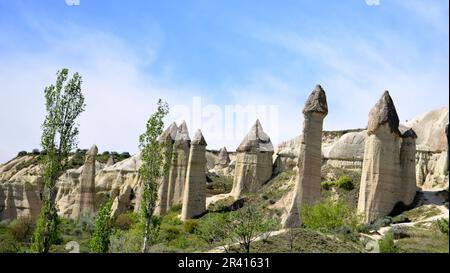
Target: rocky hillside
{"x": 342, "y": 155}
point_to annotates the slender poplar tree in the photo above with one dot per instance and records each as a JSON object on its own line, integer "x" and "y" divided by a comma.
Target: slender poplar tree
{"x": 155, "y": 163}
{"x": 64, "y": 102}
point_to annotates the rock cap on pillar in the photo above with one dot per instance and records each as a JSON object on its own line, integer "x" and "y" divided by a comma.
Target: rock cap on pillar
{"x": 383, "y": 113}
{"x": 198, "y": 139}
{"x": 170, "y": 133}
{"x": 316, "y": 102}
{"x": 256, "y": 140}
{"x": 93, "y": 150}
{"x": 409, "y": 134}
{"x": 182, "y": 136}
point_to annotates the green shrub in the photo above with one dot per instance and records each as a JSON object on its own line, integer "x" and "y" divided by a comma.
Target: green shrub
{"x": 124, "y": 221}
{"x": 8, "y": 244}
{"x": 329, "y": 215}
{"x": 21, "y": 229}
{"x": 190, "y": 226}
{"x": 442, "y": 225}
{"x": 387, "y": 244}
{"x": 129, "y": 241}
{"x": 171, "y": 233}
{"x": 212, "y": 228}
{"x": 86, "y": 222}
{"x": 22, "y": 153}
{"x": 345, "y": 183}
{"x": 327, "y": 185}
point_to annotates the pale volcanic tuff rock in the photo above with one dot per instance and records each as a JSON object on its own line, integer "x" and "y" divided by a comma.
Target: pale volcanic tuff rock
{"x": 430, "y": 130}
{"x": 194, "y": 200}
{"x": 120, "y": 182}
{"x": 85, "y": 199}
{"x": 223, "y": 159}
{"x": 253, "y": 161}
{"x": 307, "y": 184}
{"x": 386, "y": 180}
{"x": 167, "y": 139}
{"x": 178, "y": 168}
{"x": 408, "y": 189}
{"x": 20, "y": 188}
{"x": 110, "y": 161}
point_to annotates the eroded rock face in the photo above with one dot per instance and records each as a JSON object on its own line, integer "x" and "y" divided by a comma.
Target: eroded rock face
{"x": 178, "y": 169}
{"x": 347, "y": 151}
{"x": 167, "y": 139}
{"x": 430, "y": 130}
{"x": 20, "y": 188}
{"x": 85, "y": 199}
{"x": 223, "y": 159}
{"x": 253, "y": 165}
{"x": 408, "y": 167}
{"x": 307, "y": 184}
{"x": 194, "y": 200}
{"x": 388, "y": 167}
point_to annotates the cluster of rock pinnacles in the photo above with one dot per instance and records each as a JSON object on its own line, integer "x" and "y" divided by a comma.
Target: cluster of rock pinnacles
{"x": 388, "y": 174}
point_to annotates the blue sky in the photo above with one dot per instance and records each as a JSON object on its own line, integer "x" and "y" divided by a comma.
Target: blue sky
{"x": 264, "y": 53}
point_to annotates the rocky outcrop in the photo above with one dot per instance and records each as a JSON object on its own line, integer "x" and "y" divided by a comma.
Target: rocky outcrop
{"x": 85, "y": 199}
{"x": 307, "y": 184}
{"x": 120, "y": 183}
{"x": 253, "y": 162}
{"x": 347, "y": 150}
{"x": 430, "y": 130}
{"x": 408, "y": 167}
{"x": 178, "y": 169}
{"x": 223, "y": 159}
{"x": 20, "y": 188}
{"x": 386, "y": 180}
{"x": 167, "y": 139}
{"x": 110, "y": 161}
{"x": 194, "y": 200}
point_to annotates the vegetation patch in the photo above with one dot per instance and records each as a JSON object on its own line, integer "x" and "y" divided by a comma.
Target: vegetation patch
{"x": 218, "y": 184}
{"x": 306, "y": 241}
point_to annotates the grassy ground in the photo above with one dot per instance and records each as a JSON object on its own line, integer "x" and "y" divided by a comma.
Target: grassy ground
{"x": 423, "y": 240}
{"x": 307, "y": 241}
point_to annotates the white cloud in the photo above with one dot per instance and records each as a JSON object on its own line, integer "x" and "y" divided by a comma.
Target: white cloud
{"x": 354, "y": 72}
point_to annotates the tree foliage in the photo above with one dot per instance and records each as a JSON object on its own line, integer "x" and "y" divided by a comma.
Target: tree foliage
{"x": 329, "y": 215}
{"x": 153, "y": 165}
{"x": 247, "y": 224}
{"x": 64, "y": 102}
{"x": 100, "y": 240}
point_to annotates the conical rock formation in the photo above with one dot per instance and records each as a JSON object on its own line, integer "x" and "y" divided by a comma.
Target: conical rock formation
{"x": 253, "y": 161}
{"x": 307, "y": 184}
{"x": 194, "y": 200}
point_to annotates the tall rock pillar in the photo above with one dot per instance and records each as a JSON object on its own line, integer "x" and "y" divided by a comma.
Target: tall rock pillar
{"x": 307, "y": 185}
{"x": 194, "y": 200}
{"x": 253, "y": 162}
{"x": 408, "y": 187}
{"x": 381, "y": 173}
{"x": 167, "y": 140}
{"x": 85, "y": 199}
{"x": 178, "y": 169}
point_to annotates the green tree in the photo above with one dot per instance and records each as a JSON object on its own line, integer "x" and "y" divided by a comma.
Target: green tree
{"x": 247, "y": 224}
{"x": 103, "y": 227}
{"x": 212, "y": 228}
{"x": 329, "y": 215}
{"x": 153, "y": 166}
{"x": 64, "y": 102}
